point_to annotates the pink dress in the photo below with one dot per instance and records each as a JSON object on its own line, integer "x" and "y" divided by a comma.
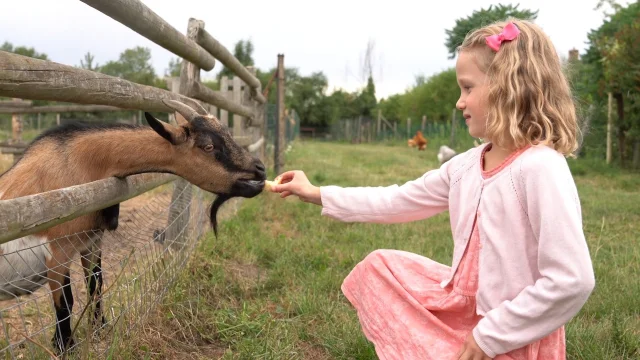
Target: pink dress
{"x": 406, "y": 314}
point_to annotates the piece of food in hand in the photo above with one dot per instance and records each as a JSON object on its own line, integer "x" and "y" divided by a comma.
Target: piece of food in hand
{"x": 268, "y": 185}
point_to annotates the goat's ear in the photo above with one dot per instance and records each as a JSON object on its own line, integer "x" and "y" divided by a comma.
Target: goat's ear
{"x": 173, "y": 134}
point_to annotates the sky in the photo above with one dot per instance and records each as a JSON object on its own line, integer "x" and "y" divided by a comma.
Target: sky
{"x": 331, "y": 36}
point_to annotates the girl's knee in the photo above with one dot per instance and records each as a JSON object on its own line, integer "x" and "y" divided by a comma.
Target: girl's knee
{"x": 377, "y": 256}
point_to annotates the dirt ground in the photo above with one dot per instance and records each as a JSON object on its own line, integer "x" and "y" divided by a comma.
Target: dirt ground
{"x": 141, "y": 266}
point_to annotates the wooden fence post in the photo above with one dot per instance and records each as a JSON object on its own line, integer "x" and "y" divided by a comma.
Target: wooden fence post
{"x": 178, "y": 221}
{"x": 258, "y": 132}
{"x": 379, "y": 121}
{"x": 609, "y": 126}
{"x": 236, "y": 96}
{"x": 280, "y": 125}
{"x": 224, "y": 89}
{"x": 424, "y": 123}
{"x": 16, "y": 126}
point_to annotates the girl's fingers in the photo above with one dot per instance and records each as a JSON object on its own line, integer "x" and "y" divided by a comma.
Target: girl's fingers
{"x": 282, "y": 187}
{"x": 284, "y": 194}
{"x": 286, "y": 176}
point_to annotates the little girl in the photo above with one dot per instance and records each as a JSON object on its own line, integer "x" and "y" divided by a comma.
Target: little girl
{"x": 521, "y": 267}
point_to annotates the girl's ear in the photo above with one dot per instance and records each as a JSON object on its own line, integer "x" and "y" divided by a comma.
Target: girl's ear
{"x": 175, "y": 135}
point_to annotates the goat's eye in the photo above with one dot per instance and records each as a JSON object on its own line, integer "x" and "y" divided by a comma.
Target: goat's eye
{"x": 208, "y": 148}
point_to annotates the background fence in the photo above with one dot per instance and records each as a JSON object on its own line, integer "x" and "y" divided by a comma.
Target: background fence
{"x": 363, "y": 130}
{"x": 162, "y": 217}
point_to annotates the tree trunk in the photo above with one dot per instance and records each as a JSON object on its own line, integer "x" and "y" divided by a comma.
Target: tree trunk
{"x": 622, "y": 128}
{"x": 636, "y": 155}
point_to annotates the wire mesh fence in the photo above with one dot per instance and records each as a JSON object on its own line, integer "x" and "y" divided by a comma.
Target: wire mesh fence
{"x": 138, "y": 262}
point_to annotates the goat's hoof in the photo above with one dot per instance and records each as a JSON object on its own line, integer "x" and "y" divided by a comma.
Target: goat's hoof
{"x": 158, "y": 236}
{"x": 62, "y": 345}
{"x": 97, "y": 325}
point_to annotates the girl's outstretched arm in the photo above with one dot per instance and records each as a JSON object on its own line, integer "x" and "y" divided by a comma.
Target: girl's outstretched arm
{"x": 414, "y": 200}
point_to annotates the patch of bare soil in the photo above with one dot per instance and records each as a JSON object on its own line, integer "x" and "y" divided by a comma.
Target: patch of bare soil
{"x": 137, "y": 269}
{"x": 168, "y": 338}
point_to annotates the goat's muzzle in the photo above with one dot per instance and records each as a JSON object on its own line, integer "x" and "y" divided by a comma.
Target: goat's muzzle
{"x": 244, "y": 187}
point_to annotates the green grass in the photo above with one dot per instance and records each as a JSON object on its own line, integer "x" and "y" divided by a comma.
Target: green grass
{"x": 269, "y": 286}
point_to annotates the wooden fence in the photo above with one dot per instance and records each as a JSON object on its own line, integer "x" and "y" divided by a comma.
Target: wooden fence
{"x": 28, "y": 78}
{"x": 34, "y": 79}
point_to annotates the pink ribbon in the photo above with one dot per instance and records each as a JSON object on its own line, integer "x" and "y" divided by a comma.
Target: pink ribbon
{"x": 509, "y": 33}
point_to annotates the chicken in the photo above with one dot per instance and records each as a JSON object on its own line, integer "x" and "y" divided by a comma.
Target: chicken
{"x": 418, "y": 141}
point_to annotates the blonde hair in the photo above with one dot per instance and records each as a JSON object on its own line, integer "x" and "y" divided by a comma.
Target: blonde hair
{"x": 530, "y": 100}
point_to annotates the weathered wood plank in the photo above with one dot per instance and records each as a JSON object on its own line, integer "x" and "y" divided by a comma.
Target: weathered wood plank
{"x": 216, "y": 98}
{"x": 224, "y": 92}
{"x": 256, "y": 146}
{"x": 221, "y": 53}
{"x": 59, "y": 109}
{"x": 179, "y": 208}
{"x": 139, "y": 18}
{"x": 29, "y": 78}
{"x": 236, "y": 96}
{"x": 20, "y": 145}
{"x": 243, "y": 141}
{"x": 30, "y": 214}
{"x": 11, "y": 150}
{"x": 15, "y": 104}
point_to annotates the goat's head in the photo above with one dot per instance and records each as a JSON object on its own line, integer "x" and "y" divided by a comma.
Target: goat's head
{"x": 208, "y": 157}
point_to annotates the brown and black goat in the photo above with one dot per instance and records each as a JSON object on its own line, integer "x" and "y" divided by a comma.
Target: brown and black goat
{"x": 200, "y": 149}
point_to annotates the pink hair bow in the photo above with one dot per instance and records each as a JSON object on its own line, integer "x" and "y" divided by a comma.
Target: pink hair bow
{"x": 509, "y": 33}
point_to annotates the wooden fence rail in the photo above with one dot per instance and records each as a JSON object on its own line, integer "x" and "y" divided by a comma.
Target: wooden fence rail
{"x": 139, "y": 18}
{"x": 30, "y": 214}
{"x": 58, "y": 109}
{"x": 28, "y": 78}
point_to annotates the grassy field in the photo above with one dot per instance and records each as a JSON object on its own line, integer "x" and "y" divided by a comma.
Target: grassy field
{"x": 269, "y": 286}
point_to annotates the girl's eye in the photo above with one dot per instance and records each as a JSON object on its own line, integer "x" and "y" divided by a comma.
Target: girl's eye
{"x": 208, "y": 148}
{"x": 467, "y": 88}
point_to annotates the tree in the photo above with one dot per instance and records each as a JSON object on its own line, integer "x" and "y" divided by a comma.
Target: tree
{"x": 391, "y": 107}
{"x": 133, "y": 65}
{"x": 23, "y": 50}
{"x": 477, "y": 19}
{"x": 614, "y": 56}
{"x": 175, "y": 66}
{"x": 87, "y": 63}
{"x": 367, "y": 99}
{"x": 243, "y": 51}
{"x": 306, "y": 95}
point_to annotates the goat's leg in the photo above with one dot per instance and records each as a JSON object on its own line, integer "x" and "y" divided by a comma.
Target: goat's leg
{"x": 60, "y": 284}
{"x": 92, "y": 264}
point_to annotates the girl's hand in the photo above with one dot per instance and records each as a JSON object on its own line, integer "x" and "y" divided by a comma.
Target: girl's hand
{"x": 296, "y": 183}
{"x": 471, "y": 351}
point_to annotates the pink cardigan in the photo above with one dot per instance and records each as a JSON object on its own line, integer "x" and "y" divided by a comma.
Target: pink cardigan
{"x": 535, "y": 272}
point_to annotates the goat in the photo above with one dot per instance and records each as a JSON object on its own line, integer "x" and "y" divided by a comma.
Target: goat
{"x": 199, "y": 149}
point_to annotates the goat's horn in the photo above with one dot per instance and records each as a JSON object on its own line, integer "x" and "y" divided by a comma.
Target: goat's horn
{"x": 182, "y": 109}
{"x": 196, "y": 106}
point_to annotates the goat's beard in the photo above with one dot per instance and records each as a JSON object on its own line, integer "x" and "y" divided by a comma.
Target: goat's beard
{"x": 215, "y": 206}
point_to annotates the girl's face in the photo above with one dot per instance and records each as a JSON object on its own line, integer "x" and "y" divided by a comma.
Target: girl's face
{"x": 473, "y": 94}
